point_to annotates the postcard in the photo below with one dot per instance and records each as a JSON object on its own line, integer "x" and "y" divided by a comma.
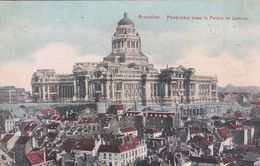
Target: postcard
{"x": 123, "y": 83}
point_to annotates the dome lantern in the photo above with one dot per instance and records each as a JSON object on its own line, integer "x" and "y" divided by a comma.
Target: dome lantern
{"x": 125, "y": 20}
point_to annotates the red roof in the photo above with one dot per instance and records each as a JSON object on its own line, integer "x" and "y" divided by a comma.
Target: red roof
{"x": 127, "y": 129}
{"x": 83, "y": 144}
{"x": 257, "y": 103}
{"x": 86, "y": 120}
{"x": 30, "y": 126}
{"x": 36, "y": 157}
{"x": 130, "y": 144}
{"x": 53, "y": 126}
{"x": 23, "y": 140}
{"x": 49, "y": 112}
{"x": 234, "y": 125}
{"x": 224, "y": 133}
{"x": 238, "y": 114}
{"x": 201, "y": 140}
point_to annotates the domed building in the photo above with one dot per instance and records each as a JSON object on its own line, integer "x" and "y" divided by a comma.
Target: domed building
{"x": 125, "y": 76}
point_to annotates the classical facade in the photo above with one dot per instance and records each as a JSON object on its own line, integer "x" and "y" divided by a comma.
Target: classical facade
{"x": 125, "y": 76}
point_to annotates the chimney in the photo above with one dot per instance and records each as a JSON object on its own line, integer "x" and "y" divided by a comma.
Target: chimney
{"x": 188, "y": 134}
{"x": 44, "y": 155}
{"x": 102, "y": 141}
{"x": 34, "y": 142}
{"x": 122, "y": 140}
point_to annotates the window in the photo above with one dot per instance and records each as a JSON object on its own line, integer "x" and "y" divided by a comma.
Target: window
{"x": 116, "y": 156}
{"x": 132, "y": 44}
{"x": 105, "y": 156}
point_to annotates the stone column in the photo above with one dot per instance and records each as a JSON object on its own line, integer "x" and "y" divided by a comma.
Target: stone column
{"x": 101, "y": 90}
{"x": 107, "y": 90}
{"x": 86, "y": 92}
{"x": 91, "y": 90}
{"x": 75, "y": 90}
{"x": 144, "y": 120}
{"x": 123, "y": 91}
{"x": 43, "y": 92}
{"x": 63, "y": 93}
{"x": 170, "y": 88}
{"x": 48, "y": 92}
{"x": 166, "y": 89}
{"x": 112, "y": 89}
{"x": 210, "y": 95}
{"x": 78, "y": 92}
{"x": 57, "y": 91}
{"x": 66, "y": 92}
{"x": 39, "y": 93}
{"x": 147, "y": 92}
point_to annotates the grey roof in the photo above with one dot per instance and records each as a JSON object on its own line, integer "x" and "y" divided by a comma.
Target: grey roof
{"x": 125, "y": 20}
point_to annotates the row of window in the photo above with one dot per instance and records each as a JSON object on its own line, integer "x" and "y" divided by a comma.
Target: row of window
{"x": 129, "y": 44}
{"x": 125, "y": 155}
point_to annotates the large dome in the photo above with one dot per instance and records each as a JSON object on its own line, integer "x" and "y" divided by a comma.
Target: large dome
{"x": 125, "y": 20}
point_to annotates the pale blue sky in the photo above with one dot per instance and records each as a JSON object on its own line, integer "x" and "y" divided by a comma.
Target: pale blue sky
{"x": 87, "y": 26}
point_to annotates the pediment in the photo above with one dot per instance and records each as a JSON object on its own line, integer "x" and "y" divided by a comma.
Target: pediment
{"x": 180, "y": 67}
{"x": 79, "y": 69}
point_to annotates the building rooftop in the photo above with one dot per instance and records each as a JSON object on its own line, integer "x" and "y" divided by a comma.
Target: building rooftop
{"x": 127, "y": 129}
{"x": 129, "y": 143}
{"x": 23, "y": 140}
{"x": 83, "y": 144}
{"x": 36, "y": 157}
{"x": 125, "y": 20}
{"x": 6, "y": 138}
